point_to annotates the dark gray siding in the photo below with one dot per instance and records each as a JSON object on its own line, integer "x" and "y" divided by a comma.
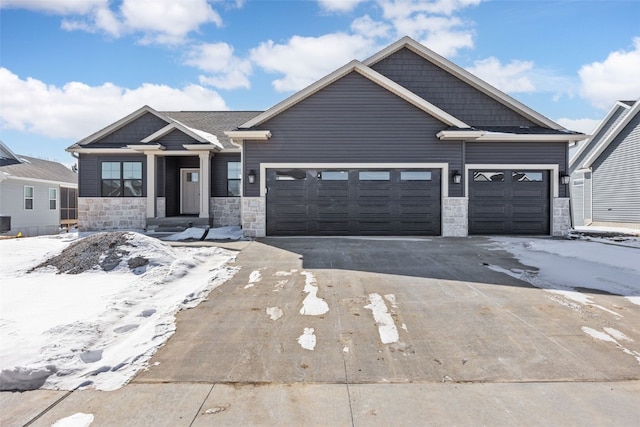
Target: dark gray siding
{"x": 618, "y": 115}
{"x": 172, "y": 181}
{"x": 174, "y": 140}
{"x": 352, "y": 120}
{"x": 131, "y": 133}
{"x": 446, "y": 91}
{"x": 616, "y": 178}
{"x": 160, "y": 176}
{"x": 89, "y": 167}
{"x": 219, "y": 173}
{"x": 520, "y": 152}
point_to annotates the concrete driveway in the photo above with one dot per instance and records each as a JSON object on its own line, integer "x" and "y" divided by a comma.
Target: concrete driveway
{"x": 355, "y": 332}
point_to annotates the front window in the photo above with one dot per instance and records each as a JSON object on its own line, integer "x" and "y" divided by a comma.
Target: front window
{"x": 234, "y": 175}
{"x": 28, "y": 197}
{"x": 53, "y": 198}
{"x": 121, "y": 179}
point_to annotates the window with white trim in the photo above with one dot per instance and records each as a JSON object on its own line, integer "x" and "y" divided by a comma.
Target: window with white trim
{"x": 234, "y": 175}
{"x": 121, "y": 179}
{"x": 53, "y": 198}
{"x": 28, "y": 197}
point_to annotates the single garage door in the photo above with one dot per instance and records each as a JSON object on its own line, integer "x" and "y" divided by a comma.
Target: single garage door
{"x": 509, "y": 202}
{"x": 336, "y": 202}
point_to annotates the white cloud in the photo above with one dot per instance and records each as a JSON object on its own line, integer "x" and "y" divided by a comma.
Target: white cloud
{"x": 157, "y": 21}
{"x": 370, "y": 28}
{"x": 228, "y": 71}
{"x": 512, "y": 77}
{"x": 304, "y": 60}
{"x": 586, "y": 126}
{"x": 76, "y": 110}
{"x": 60, "y": 7}
{"x": 615, "y": 78}
{"x": 393, "y": 9}
{"x": 339, "y": 5}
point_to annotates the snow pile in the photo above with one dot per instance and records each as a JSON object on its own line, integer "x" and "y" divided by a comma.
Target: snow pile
{"x": 225, "y": 233}
{"x": 99, "y": 324}
{"x": 571, "y": 266}
{"x": 192, "y": 233}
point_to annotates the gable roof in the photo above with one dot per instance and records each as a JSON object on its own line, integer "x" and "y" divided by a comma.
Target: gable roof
{"x": 464, "y": 75}
{"x": 605, "y": 134}
{"x": 39, "y": 169}
{"x": 369, "y": 73}
{"x": 7, "y": 157}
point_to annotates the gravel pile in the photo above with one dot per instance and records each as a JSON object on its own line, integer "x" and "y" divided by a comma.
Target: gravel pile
{"x": 103, "y": 250}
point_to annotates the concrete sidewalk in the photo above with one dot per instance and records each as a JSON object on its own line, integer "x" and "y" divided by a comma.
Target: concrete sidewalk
{"x": 473, "y": 347}
{"x": 198, "y": 404}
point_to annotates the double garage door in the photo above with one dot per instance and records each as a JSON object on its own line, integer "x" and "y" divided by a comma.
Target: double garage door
{"x": 353, "y": 202}
{"x": 509, "y": 202}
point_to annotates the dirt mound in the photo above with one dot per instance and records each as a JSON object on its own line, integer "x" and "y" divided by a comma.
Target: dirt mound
{"x": 103, "y": 250}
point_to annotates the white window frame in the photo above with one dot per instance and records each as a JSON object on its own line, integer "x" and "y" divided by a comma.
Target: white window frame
{"x": 32, "y": 198}
{"x": 55, "y": 198}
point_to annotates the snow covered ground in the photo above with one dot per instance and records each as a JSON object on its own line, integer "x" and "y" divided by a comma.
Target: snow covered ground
{"x": 96, "y": 328}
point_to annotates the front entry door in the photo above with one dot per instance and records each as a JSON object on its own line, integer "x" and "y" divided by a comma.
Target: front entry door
{"x": 190, "y": 183}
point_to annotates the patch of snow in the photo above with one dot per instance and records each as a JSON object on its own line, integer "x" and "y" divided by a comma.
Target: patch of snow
{"x": 275, "y": 312}
{"x": 279, "y": 285}
{"x": 392, "y": 300}
{"x": 345, "y": 349}
{"x": 233, "y": 232}
{"x": 76, "y": 420}
{"x": 386, "y": 327}
{"x": 285, "y": 273}
{"x": 312, "y": 304}
{"x": 404, "y": 327}
{"x": 254, "y": 278}
{"x": 308, "y": 339}
{"x": 602, "y": 336}
{"x": 95, "y": 328}
{"x": 582, "y": 299}
{"x": 617, "y": 334}
{"x": 188, "y": 234}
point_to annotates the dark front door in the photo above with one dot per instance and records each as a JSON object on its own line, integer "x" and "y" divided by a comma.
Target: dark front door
{"x": 353, "y": 202}
{"x": 509, "y": 202}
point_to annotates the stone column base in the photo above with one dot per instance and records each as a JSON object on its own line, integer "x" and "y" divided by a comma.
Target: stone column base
{"x": 455, "y": 217}
{"x": 254, "y": 217}
{"x": 561, "y": 217}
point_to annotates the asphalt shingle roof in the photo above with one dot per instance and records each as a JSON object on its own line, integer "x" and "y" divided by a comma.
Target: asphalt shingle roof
{"x": 31, "y": 167}
{"x": 213, "y": 122}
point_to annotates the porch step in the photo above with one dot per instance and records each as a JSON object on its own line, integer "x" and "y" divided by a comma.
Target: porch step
{"x": 177, "y": 224}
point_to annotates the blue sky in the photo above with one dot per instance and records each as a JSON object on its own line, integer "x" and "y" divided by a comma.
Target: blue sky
{"x": 70, "y": 67}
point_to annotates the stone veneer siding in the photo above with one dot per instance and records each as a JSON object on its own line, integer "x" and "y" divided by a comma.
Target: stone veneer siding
{"x": 561, "y": 217}
{"x": 161, "y": 207}
{"x": 226, "y": 211}
{"x": 254, "y": 217}
{"x": 455, "y": 217}
{"x": 111, "y": 213}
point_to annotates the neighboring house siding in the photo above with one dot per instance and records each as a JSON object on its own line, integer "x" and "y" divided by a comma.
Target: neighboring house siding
{"x": 175, "y": 139}
{"x": 352, "y": 120}
{"x": 616, "y": 117}
{"x": 31, "y": 222}
{"x": 519, "y": 153}
{"x": 131, "y": 133}
{"x": 577, "y": 200}
{"x": 616, "y": 178}
{"x": 89, "y": 166}
{"x": 446, "y": 91}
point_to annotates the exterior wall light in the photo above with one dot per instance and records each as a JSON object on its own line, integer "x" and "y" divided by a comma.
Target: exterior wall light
{"x": 564, "y": 178}
{"x": 456, "y": 177}
{"x": 252, "y": 176}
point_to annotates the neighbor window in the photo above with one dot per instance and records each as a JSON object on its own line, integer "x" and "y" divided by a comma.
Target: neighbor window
{"x": 121, "y": 179}
{"x": 28, "y": 197}
{"x": 234, "y": 175}
{"x": 53, "y": 198}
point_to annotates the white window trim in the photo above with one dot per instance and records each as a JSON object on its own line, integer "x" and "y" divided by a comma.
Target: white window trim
{"x": 50, "y": 199}
{"x": 444, "y": 167}
{"x": 25, "y": 198}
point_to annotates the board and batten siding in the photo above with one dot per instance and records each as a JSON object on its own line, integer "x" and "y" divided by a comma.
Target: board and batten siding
{"x": 616, "y": 178}
{"x": 353, "y": 120}
{"x": 131, "y": 133}
{"x": 89, "y": 166}
{"x": 447, "y": 91}
{"x": 519, "y": 153}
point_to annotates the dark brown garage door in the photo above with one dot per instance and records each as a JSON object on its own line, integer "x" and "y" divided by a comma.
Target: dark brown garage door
{"x": 509, "y": 202}
{"x": 353, "y": 202}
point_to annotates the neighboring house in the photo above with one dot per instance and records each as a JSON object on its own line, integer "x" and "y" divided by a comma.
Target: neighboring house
{"x": 605, "y": 171}
{"x": 404, "y": 143}
{"x": 36, "y": 196}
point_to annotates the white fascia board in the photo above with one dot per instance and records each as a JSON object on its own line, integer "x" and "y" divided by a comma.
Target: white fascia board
{"x": 83, "y": 150}
{"x": 146, "y": 147}
{"x": 600, "y": 128}
{"x": 41, "y": 181}
{"x": 604, "y": 143}
{"x": 368, "y": 73}
{"x": 249, "y": 135}
{"x": 159, "y": 134}
{"x": 465, "y": 76}
{"x": 122, "y": 122}
{"x": 485, "y": 136}
{"x": 196, "y": 134}
{"x": 201, "y": 147}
